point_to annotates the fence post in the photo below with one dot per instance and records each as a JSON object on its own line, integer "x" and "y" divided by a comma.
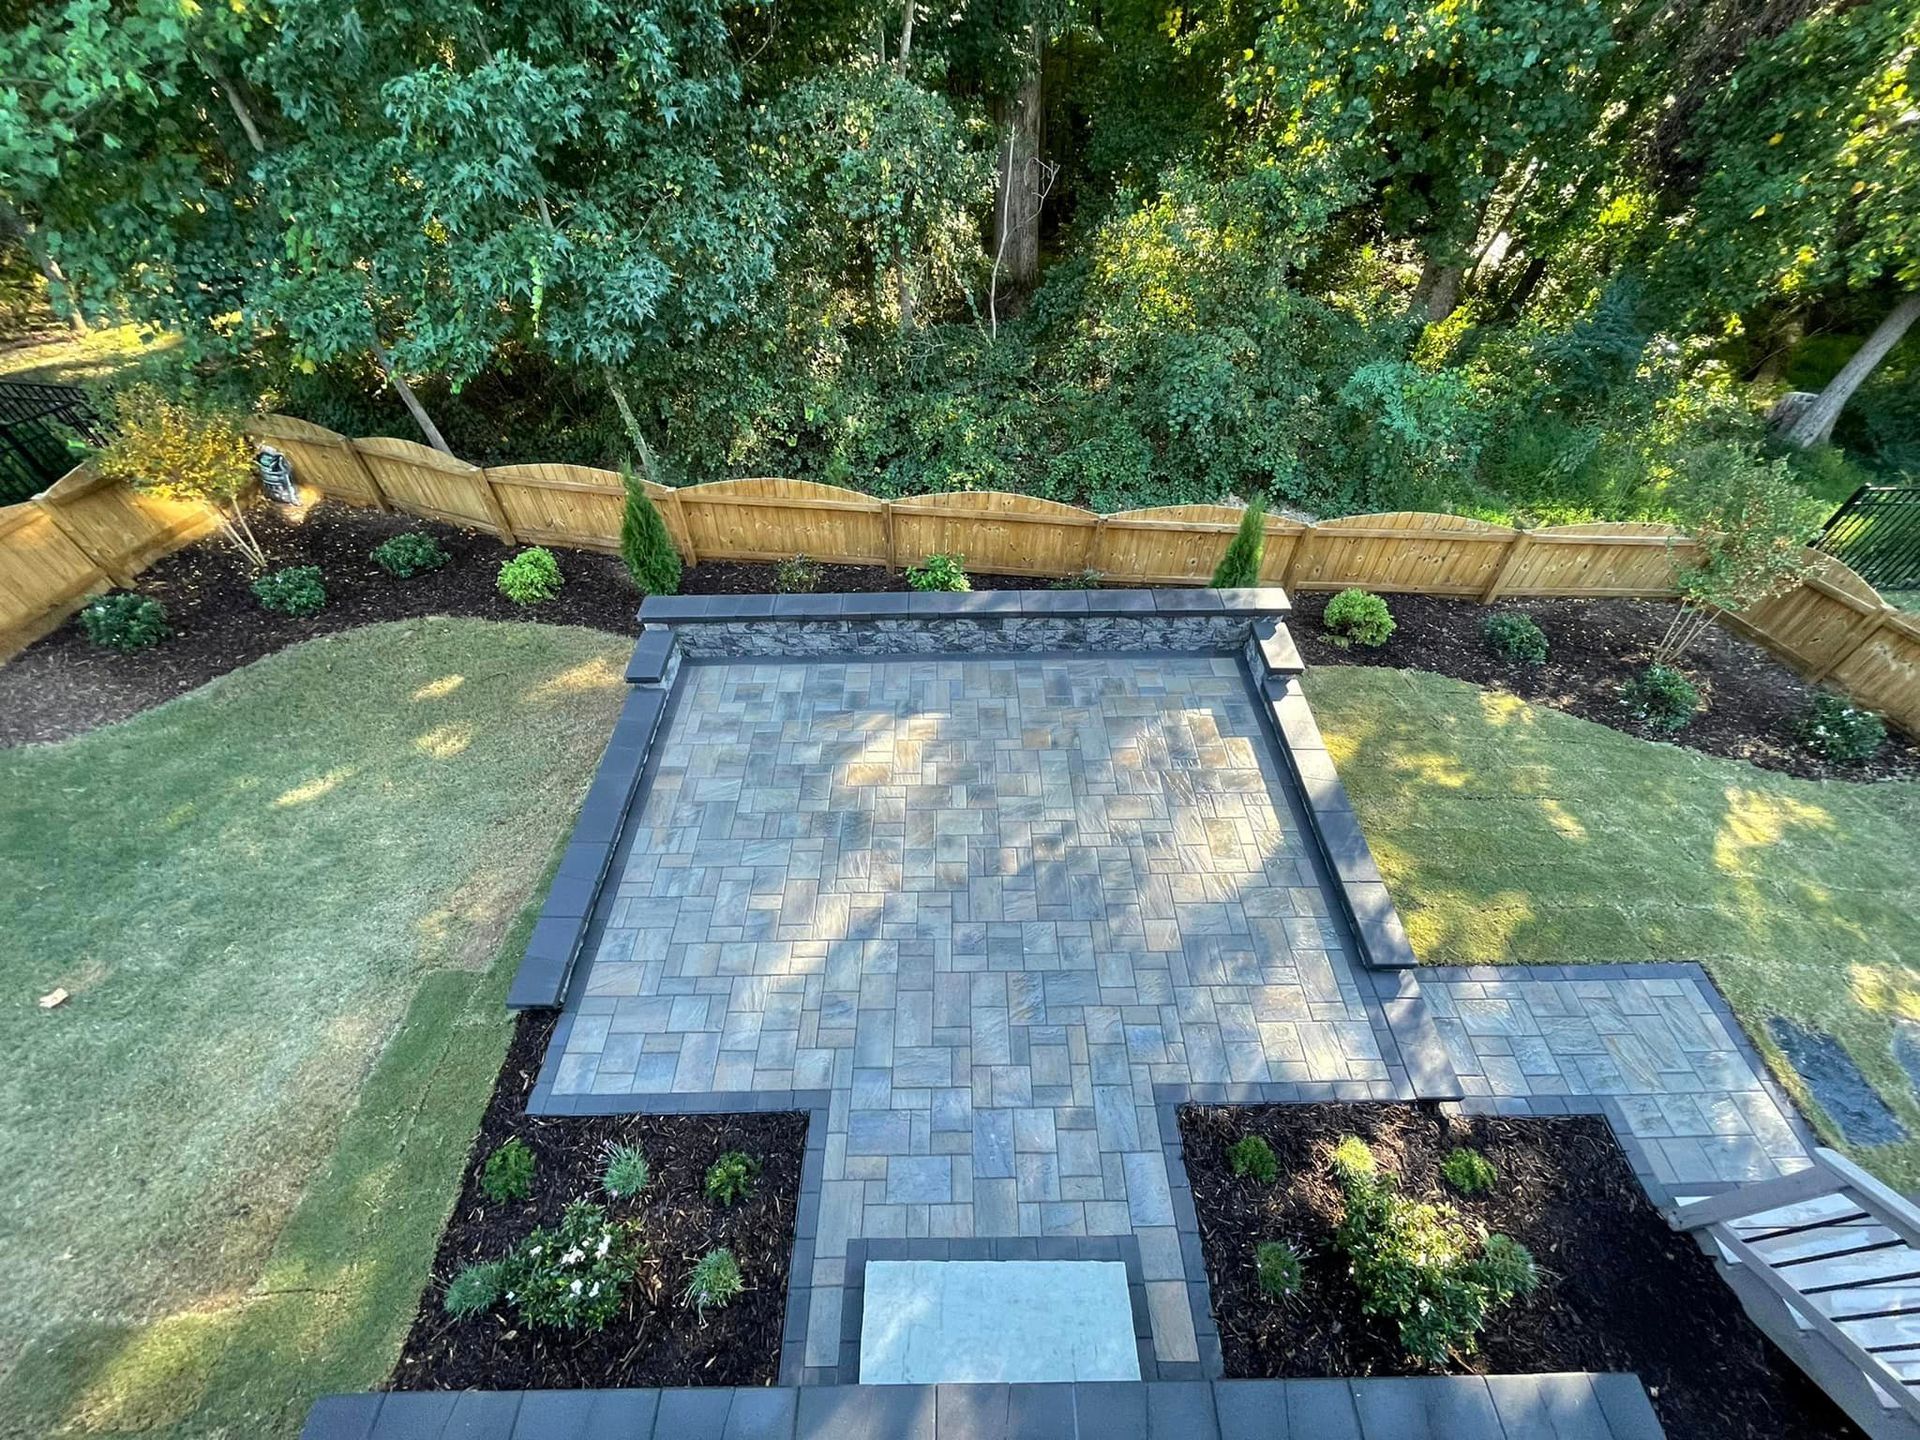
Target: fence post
{"x": 1300, "y": 542}
{"x": 1852, "y": 644}
{"x": 1508, "y": 558}
{"x": 378, "y": 495}
{"x": 74, "y": 537}
{"x": 494, "y": 507}
{"x": 681, "y": 530}
{"x": 886, "y": 524}
{"x": 1093, "y": 542}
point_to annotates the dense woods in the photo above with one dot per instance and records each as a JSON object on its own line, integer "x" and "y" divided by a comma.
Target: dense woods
{"x": 1532, "y": 259}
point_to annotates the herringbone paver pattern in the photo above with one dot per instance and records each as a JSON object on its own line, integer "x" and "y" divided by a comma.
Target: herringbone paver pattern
{"x": 989, "y": 904}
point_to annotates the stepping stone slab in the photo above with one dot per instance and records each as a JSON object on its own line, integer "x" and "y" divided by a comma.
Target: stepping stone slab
{"x": 1836, "y": 1082}
{"x": 937, "y": 1322}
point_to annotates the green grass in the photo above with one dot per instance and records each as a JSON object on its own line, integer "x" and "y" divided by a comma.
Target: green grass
{"x": 279, "y": 904}
{"x": 100, "y": 357}
{"x": 1510, "y": 834}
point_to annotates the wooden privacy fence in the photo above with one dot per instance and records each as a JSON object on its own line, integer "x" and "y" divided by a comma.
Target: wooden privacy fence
{"x": 84, "y": 535}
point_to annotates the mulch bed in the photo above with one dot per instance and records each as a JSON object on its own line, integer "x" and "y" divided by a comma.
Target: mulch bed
{"x": 1593, "y": 648}
{"x": 1620, "y": 1290}
{"x": 64, "y": 686}
{"x": 658, "y": 1341}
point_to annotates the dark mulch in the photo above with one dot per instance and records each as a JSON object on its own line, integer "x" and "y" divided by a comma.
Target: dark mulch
{"x": 658, "y": 1341}
{"x": 63, "y": 685}
{"x": 1593, "y": 648}
{"x": 1620, "y": 1291}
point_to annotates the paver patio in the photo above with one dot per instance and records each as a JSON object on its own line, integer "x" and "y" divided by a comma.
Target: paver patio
{"x": 988, "y": 905}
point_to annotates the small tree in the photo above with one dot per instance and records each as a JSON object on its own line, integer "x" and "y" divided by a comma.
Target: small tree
{"x": 1240, "y": 566}
{"x": 644, "y": 543}
{"x": 1750, "y": 522}
{"x": 181, "y": 451}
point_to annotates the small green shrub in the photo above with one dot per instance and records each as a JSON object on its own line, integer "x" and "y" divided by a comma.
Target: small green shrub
{"x": 508, "y": 1173}
{"x": 730, "y": 1178}
{"x": 1661, "y": 697}
{"x": 411, "y": 553}
{"x": 1515, "y": 637}
{"x": 1508, "y": 1268}
{"x": 475, "y": 1289}
{"x": 125, "y": 622}
{"x": 1357, "y": 617}
{"x": 1277, "y": 1266}
{"x": 797, "y": 576}
{"x": 715, "y": 1281}
{"x": 297, "y": 590}
{"x": 574, "y": 1277}
{"x": 1239, "y": 566}
{"x": 1081, "y": 580}
{"x": 1468, "y": 1171}
{"x": 645, "y": 545}
{"x": 940, "y": 572}
{"x": 530, "y": 577}
{"x": 1251, "y": 1155}
{"x": 626, "y": 1171}
{"x": 1422, "y": 1265}
{"x": 1841, "y": 732}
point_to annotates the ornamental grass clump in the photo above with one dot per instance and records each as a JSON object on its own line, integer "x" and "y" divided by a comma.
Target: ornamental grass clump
{"x": 475, "y": 1289}
{"x": 573, "y": 1277}
{"x": 1276, "y": 1266}
{"x": 1423, "y": 1266}
{"x": 715, "y": 1281}
{"x": 626, "y": 1171}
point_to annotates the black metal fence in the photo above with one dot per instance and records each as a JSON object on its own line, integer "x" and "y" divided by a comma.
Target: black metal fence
{"x": 41, "y": 430}
{"x": 1877, "y": 532}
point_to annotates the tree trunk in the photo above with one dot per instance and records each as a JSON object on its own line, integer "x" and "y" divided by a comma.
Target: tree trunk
{"x": 906, "y": 38}
{"x": 1437, "y": 292}
{"x": 408, "y": 398}
{"x": 1523, "y": 288}
{"x": 1018, "y": 193}
{"x": 12, "y": 222}
{"x": 236, "y": 102}
{"x": 1780, "y": 337}
{"x": 1815, "y": 424}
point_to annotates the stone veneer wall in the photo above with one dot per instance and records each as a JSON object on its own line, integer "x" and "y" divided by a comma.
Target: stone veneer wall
{"x": 991, "y": 635}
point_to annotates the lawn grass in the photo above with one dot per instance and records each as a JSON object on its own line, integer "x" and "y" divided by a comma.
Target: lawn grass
{"x": 103, "y": 356}
{"x": 279, "y": 905}
{"x": 1510, "y": 834}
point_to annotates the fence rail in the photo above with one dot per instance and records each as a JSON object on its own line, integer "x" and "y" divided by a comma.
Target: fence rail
{"x": 1877, "y": 533}
{"x": 82, "y": 536}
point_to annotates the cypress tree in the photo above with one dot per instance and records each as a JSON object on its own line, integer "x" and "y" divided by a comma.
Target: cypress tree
{"x": 1240, "y": 566}
{"x": 644, "y": 542}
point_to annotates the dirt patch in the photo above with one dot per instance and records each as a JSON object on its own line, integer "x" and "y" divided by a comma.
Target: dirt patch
{"x": 1593, "y": 648}
{"x": 656, "y": 1341}
{"x": 1620, "y": 1290}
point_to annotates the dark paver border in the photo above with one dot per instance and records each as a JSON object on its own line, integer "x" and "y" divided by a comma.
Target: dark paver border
{"x": 860, "y": 1249}
{"x": 1427, "y": 1407}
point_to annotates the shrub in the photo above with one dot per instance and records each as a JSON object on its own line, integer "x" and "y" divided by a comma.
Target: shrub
{"x": 651, "y": 558}
{"x": 476, "y": 1288}
{"x": 1239, "y": 567}
{"x": 181, "y": 450}
{"x": 508, "y": 1173}
{"x": 797, "y": 576}
{"x": 1357, "y": 617}
{"x": 626, "y": 1172}
{"x": 411, "y": 553}
{"x": 530, "y": 577}
{"x": 574, "y": 1277}
{"x": 940, "y": 572}
{"x": 1468, "y": 1171}
{"x": 125, "y": 622}
{"x": 1661, "y": 697}
{"x": 1515, "y": 637}
{"x": 730, "y": 1178}
{"x": 1251, "y": 1155}
{"x": 1081, "y": 580}
{"x": 1833, "y": 729}
{"x": 1277, "y": 1265}
{"x": 715, "y": 1281}
{"x": 297, "y": 590}
{"x": 1421, "y": 1265}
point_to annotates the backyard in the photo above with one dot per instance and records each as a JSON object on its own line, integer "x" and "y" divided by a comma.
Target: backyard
{"x": 283, "y": 910}
{"x": 1511, "y": 834}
